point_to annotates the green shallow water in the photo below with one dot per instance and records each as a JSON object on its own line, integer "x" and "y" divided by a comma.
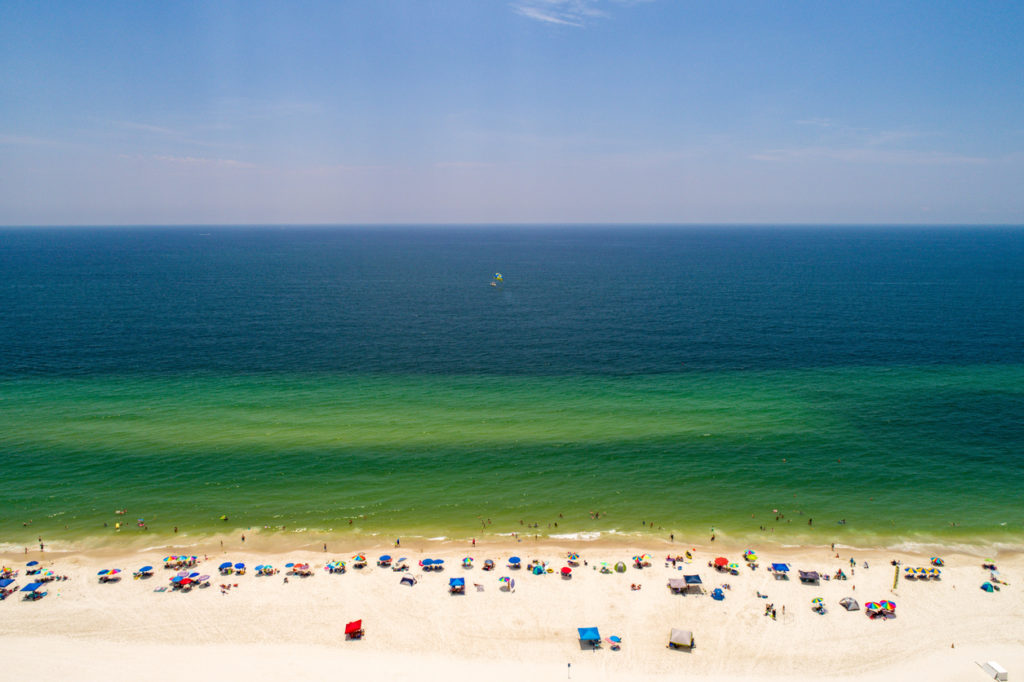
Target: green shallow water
{"x": 899, "y": 453}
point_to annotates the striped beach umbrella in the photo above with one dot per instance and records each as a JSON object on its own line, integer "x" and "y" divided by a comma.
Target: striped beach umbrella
{"x": 887, "y": 605}
{"x": 816, "y": 600}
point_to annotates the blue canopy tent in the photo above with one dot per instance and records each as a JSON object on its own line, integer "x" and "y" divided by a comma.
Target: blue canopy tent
{"x": 31, "y": 587}
{"x": 457, "y": 585}
{"x": 692, "y": 579}
{"x": 589, "y": 636}
{"x": 5, "y": 582}
{"x": 780, "y": 568}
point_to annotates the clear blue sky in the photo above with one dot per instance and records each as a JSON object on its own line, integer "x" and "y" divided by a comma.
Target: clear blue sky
{"x": 380, "y": 111}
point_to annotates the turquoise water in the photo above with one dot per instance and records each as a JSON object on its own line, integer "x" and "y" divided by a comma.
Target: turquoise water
{"x": 358, "y": 381}
{"x": 896, "y": 452}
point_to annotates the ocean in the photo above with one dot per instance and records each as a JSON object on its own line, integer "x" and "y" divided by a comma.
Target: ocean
{"x": 858, "y": 385}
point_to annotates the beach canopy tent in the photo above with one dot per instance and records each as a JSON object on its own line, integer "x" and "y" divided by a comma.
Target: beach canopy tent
{"x": 692, "y": 579}
{"x": 590, "y": 635}
{"x": 354, "y": 630}
{"x": 407, "y": 580}
{"x": 809, "y": 576}
{"x": 849, "y": 603}
{"x": 677, "y": 585}
{"x": 31, "y": 587}
{"x": 5, "y": 582}
{"x": 680, "y": 639}
{"x": 780, "y": 568}
{"x": 456, "y": 584}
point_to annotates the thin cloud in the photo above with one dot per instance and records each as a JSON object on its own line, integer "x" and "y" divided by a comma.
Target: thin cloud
{"x": 147, "y": 128}
{"x": 202, "y": 161}
{"x": 24, "y": 140}
{"x": 868, "y": 155}
{"x": 562, "y": 12}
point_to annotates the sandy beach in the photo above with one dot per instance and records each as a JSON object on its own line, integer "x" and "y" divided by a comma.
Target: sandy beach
{"x": 266, "y": 628}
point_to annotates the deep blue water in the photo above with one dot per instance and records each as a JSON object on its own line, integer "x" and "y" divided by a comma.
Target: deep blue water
{"x": 598, "y": 300}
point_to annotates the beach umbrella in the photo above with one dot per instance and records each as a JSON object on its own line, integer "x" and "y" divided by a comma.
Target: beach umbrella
{"x": 615, "y": 639}
{"x": 721, "y": 561}
{"x": 504, "y": 579}
{"x": 645, "y": 557}
{"x": 145, "y": 569}
{"x": 105, "y": 571}
{"x": 873, "y": 606}
{"x": 887, "y": 605}
{"x": 937, "y": 561}
{"x": 427, "y": 562}
{"x": 193, "y": 575}
{"x": 816, "y": 600}
{"x": 177, "y": 579}
{"x": 400, "y": 560}
{"x": 226, "y": 564}
{"x": 733, "y": 566}
{"x": 292, "y": 565}
{"x": 32, "y": 563}
{"x": 385, "y": 557}
{"x": 467, "y": 559}
{"x": 239, "y": 566}
{"x": 573, "y": 556}
{"x": 438, "y": 561}
{"x": 566, "y": 570}
{"x": 514, "y": 560}
{"x": 359, "y": 558}
{"x": 202, "y": 579}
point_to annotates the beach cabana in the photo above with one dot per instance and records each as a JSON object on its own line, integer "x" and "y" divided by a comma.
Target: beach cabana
{"x": 680, "y": 639}
{"x": 809, "y": 577}
{"x": 849, "y": 603}
{"x": 589, "y": 637}
{"x": 33, "y": 591}
{"x": 457, "y": 586}
{"x": 780, "y": 571}
{"x": 354, "y": 630}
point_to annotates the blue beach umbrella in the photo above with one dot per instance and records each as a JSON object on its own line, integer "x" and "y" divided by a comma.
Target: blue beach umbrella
{"x": 226, "y": 564}
{"x": 145, "y": 569}
{"x": 104, "y": 571}
{"x": 32, "y": 563}
{"x": 427, "y": 562}
{"x": 514, "y": 560}
{"x": 385, "y": 557}
{"x": 438, "y": 561}
{"x": 286, "y": 566}
{"x": 177, "y": 578}
{"x": 239, "y": 566}
{"x": 193, "y": 575}
{"x": 615, "y": 638}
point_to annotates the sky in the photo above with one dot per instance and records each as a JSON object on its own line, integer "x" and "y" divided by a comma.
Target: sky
{"x": 511, "y": 111}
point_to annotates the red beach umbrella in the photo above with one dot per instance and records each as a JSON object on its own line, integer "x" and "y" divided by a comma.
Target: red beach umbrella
{"x": 566, "y": 570}
{"x": 721, "y": 561}
{"x": 353, "y": 627}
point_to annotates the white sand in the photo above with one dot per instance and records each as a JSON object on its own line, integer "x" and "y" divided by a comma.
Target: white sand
{"x": 267, "y": 629}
